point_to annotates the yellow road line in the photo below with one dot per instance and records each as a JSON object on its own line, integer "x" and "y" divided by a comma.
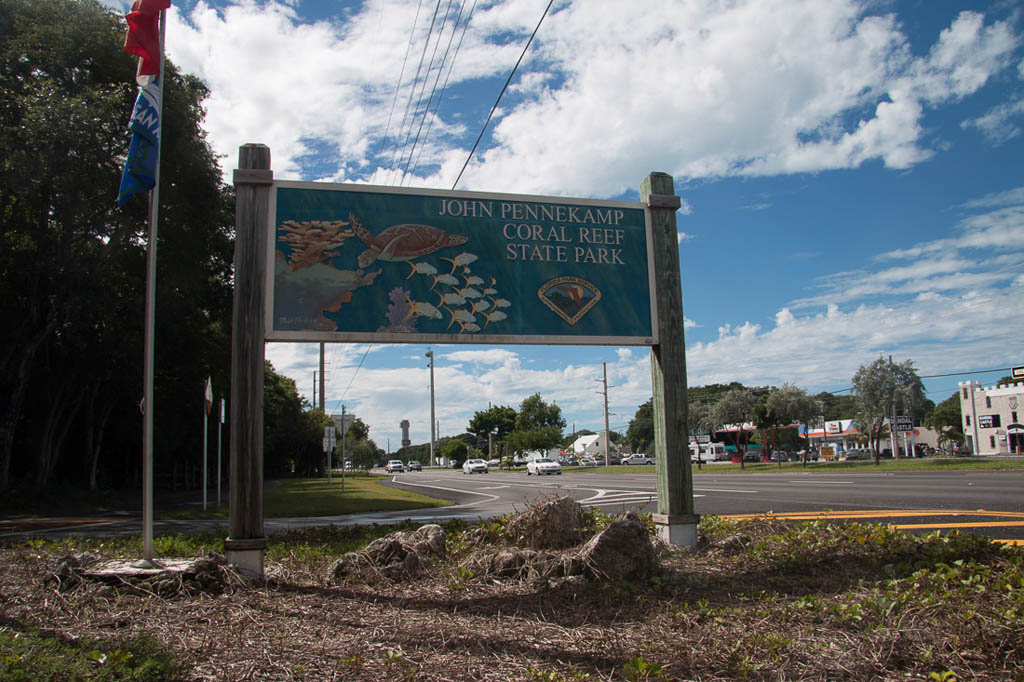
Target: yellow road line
{"x": 881, "y": 513}
{"x": 991, "y": 524}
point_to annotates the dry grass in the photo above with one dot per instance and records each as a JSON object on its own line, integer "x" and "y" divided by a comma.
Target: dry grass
{"x": 758, "y": 600}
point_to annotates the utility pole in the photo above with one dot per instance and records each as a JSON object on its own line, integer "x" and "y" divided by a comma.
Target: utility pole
{"x": 604, "y": 382}
{"x": 430, "y": 354}
{"x": 322, "y": 406}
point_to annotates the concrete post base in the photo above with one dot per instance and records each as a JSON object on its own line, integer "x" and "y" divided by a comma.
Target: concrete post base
{"x": 677, "y": 529}
{"x": 246, "y": 555}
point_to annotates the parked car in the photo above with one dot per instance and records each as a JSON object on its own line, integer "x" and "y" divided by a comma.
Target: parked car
{"x": 543, "y": 466}
{"x": 588, "y": 462}
{"x": 495, "y": 463}
{"x": 520, "y": 460}
{"x": 474, "y": 466}
{"x": 394, "y": 466}
{"x": 780, "y": 456}
{"x": 414, "y": 465}
{"x": 751, "y": 457}
{"x": 638, "y": 459}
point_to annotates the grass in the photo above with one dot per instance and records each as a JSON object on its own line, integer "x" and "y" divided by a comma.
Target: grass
{"x": 27, "y": 655}
{"x": 292, "y": 497}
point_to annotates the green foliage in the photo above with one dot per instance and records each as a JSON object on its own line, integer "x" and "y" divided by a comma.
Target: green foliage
{"x": 454, "y": 451}
{"x": 947, "y": 420}
{"x": 639, "y": 670}
{"x": 28, "y": 656}
{"x": 538, "y": 426}
{"x": 72, "y": 264}
{"x": 640, "y": 432}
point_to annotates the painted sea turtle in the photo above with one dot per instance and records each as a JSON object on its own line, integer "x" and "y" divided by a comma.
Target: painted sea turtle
{"x": 402, "y": 242}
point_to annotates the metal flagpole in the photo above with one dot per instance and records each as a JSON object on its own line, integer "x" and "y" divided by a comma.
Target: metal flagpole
{"x": 219, "y": 425}
{"x": 207, "y": 402}
{"x": 150, "y": 325}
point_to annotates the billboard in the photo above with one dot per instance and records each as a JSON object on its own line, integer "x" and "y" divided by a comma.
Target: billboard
{"x": 384, "y": 264}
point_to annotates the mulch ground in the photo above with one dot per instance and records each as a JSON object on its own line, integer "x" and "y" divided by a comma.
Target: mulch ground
{"x": 731, "y": 609}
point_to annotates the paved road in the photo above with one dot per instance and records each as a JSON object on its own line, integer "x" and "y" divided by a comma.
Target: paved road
{"x": 990, "y": 502}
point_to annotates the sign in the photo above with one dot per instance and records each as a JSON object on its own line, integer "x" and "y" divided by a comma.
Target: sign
{"x": 828, "y": 453}
{"x": 903, "y": 423}
{"x": 329, "y": 438}
{"x": 834, "y": 427}
{"x": 703, "y": 437}
{"x": 985, "y": 421}
{"x": 359, "y": 263}
{"x": 1017, "y": 372}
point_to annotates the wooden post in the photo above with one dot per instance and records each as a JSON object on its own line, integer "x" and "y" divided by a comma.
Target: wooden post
{"x": 676, "y": 520}
{"x": 246, "y": 541}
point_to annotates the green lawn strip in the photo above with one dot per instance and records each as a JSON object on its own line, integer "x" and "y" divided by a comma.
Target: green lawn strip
{"x": 293, "y": 497}
{"x": 29, "y": 656}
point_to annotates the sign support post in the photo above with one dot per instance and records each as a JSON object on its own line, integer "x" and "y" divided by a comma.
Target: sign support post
{"x": 675, "y": 520}
{"x": 246, "y": 541}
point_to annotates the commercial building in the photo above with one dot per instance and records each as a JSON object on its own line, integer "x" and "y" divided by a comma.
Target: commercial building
{"x": 992, "y": 424}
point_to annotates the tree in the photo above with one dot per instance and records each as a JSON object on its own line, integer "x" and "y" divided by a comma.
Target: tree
{"x": 72, "y": 264}
{"x": 736, "y": 407}
{"x": 640, "y": 432}
{"x": 454, "y": 451}
{"x": 791, "y": 405}
{"x": 364, "y": 454}
{"x": 292, "y": 434}
{"x": 947, "y": 420}
{"x": 538, "y": 425}
{"x": 493, "y": 424}
{"x": 883, "y": 388}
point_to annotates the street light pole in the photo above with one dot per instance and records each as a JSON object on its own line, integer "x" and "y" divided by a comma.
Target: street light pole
{"x": 430, "y": 354}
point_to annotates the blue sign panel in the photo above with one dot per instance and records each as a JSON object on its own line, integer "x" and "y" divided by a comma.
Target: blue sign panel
{"x": 382, "y": 264}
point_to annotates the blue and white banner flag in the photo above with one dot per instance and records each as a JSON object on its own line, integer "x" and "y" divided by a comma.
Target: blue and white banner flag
{"x": 140, "y": 167}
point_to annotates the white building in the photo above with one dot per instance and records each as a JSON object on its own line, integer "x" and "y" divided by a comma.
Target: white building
{"x": 592, "y": 446}
{"x": 992, "y": 424}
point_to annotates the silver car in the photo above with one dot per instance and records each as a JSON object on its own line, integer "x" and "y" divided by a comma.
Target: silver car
{"x": 474, "y": 466}
{"x": 543, "y": 466}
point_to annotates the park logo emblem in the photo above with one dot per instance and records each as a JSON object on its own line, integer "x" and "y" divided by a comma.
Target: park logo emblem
{"x": 569, "y": 297}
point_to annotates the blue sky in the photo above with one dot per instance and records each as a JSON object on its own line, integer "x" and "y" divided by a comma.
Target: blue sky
{"x": 850, "y": 172}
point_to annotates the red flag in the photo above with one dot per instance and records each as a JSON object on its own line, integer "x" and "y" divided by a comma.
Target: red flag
{"x": 144, "y": 34}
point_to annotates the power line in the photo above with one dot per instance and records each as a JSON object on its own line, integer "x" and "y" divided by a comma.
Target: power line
{"x": 500, "y": 94}
{"x": 398, "y": 87}
{"x": 437, "y": 78}
{"x": 440, "y": 97}
{"x": 412, "y": 92}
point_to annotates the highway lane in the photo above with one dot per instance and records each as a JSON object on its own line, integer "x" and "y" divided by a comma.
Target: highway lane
{"x": 989, "y": 502}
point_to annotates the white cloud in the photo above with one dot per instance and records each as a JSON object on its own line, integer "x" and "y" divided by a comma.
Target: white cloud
{"x": 777, "y": 86}
{"x": 997, "y": 125}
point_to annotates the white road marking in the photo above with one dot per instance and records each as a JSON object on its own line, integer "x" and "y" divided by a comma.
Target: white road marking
{"x": 454, "y": 490}
{"x": 824, "y": 482}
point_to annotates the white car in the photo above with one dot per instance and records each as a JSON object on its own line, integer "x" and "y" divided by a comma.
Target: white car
{"x": 543, "y": 466}
{"x": 394, "y": 466}
{"x": 638, "y": 459}
{"x": 588, "y": 462}
{"x": 474, "y": 466}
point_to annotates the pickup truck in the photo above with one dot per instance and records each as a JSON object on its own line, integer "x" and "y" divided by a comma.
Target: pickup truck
{"x": 638, "y": 459}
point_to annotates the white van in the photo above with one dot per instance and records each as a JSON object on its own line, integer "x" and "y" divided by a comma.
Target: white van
{"x": 709, "y": 452}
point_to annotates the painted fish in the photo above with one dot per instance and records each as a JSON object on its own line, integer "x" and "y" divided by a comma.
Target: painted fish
{"x": 480, "y": 305}
{"x": 445, "y": 279}
{"x": 451, "y": 299}
{"x": 470, "y": 327}
{"x": 489, "y": 291}
{"x": 474, "y": 281}
{"x": 423, "y": 309}
{"x": 461, "y": 316}
{"x": 422, "y": 269}
{"x": 470, "y": 292}
{"x": 501, "y": 303}
{"x": 463, "y": 258}
{"x": 495, "y": 316}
